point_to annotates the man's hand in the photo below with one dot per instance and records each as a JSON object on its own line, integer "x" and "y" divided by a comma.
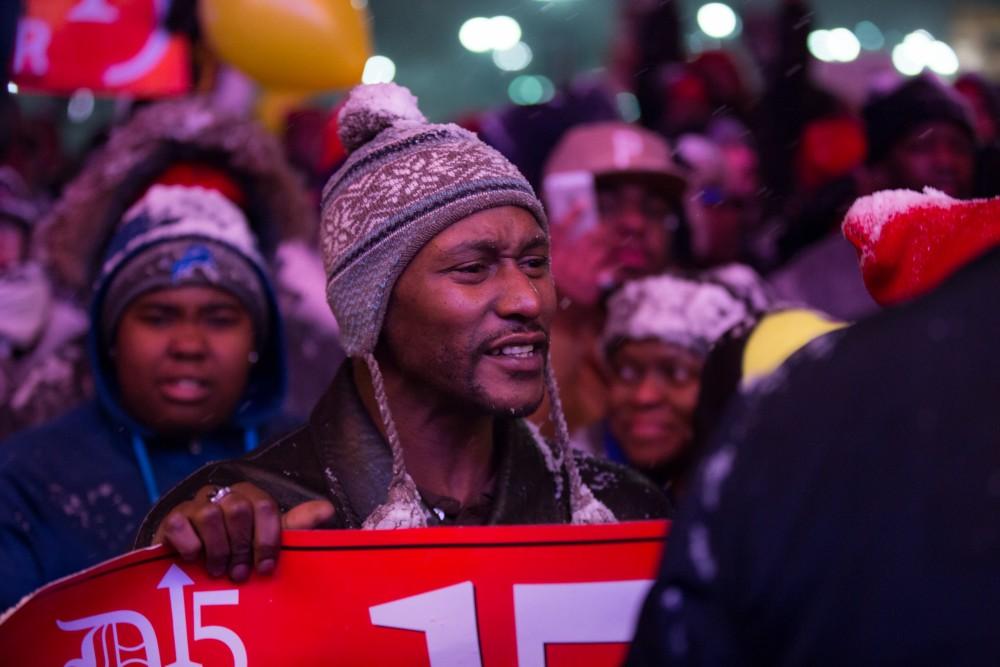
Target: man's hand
{"x": 240, "y": 531}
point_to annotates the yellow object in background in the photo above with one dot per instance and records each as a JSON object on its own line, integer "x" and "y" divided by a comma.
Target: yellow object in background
{"x": 290, "y": 45}
{"x": 779, "y": 335}
{"x": 273, "y": 107}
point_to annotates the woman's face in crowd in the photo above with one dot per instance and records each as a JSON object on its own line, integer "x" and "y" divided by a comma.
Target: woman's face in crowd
{"x": 182, "y": 357}
{"x": 469, "y": 317}
{"x": 654, "y": 390}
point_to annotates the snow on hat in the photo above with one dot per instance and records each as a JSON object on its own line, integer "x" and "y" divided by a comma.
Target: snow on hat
{"x": 890, "y": 117}
{"x": 612, "y": 148}
{"x": 404, "y": 181}
{"x": 909, "y": 242}
{"x": 692, "y": 314}
{"x": 176, "y": 236}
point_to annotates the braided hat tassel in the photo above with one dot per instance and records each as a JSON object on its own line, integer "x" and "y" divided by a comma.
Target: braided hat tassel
{"x": 584, "y": 506}
{"x": 402, "y": 507}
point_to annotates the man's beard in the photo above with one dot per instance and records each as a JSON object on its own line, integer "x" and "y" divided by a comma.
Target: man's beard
{"x": 478, "y": 396}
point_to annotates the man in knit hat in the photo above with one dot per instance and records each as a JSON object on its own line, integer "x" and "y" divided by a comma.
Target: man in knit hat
{"x": 436, "y": 252}
{"x": 187, "y": 351}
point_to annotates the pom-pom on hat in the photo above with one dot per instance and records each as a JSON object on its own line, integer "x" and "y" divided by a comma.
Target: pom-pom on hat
{"x": 909, "y": 242}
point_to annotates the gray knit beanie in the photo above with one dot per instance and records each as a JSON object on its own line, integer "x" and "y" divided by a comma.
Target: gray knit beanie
{"x": 404, "y": 182}
{"x": 177, "y": 236}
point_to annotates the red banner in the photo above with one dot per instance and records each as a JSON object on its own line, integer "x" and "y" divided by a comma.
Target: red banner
{"x": 518, "y": 595}
{"x": 103, "y": 45}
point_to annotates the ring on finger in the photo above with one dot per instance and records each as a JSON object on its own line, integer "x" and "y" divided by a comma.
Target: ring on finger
{"x": 219, "y": 494}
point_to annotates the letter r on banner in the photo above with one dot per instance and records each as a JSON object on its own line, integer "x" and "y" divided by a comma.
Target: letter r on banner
{"x": 31, "y": 52}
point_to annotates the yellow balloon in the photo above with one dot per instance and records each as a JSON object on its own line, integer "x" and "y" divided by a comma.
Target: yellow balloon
{"x": 307, "y": 45}
{"x": 273, "y": 107}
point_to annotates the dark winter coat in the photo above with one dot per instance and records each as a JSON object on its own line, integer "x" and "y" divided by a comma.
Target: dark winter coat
{"x": 849, "y": 511}
{"x": 341, "y": 456}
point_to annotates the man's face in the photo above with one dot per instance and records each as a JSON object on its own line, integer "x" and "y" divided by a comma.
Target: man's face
{"x": 468, "y": 320}
{"x": 653, "y": 393}
{"x": 640, "y": 221}
{"x": 182, "y": 358}
{"x": 936, "y": 154}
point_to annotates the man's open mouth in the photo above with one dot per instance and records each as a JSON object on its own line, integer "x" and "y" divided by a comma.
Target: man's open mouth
{"x": 516, "y": 351}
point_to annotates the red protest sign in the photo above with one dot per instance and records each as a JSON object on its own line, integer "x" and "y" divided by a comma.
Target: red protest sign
{"x": 103, "y": 45}
{"x": 513, "y": 595}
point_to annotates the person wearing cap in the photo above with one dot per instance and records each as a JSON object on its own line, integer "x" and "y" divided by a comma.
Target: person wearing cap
{"x": 40, "y": 366}
{"x": 186, "y": 347}
{"x": 658, "y": 334}
{"x": 436, "y": 252}
{"x": 624, "y": 222}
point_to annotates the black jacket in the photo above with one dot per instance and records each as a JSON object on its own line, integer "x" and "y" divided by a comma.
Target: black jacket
{"x": 848, "y": 512}
{"x": 341, "y": 456}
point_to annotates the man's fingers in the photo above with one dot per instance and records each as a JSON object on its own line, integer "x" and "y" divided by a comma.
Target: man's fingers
{"x": 211, "y": 526}
{"x": 177, "y": 532}
{"x": 307, "y": 515}
{"x": 241, "y": 530}
{"x": 266, "y": 524}
{"x": 238, "y": 517}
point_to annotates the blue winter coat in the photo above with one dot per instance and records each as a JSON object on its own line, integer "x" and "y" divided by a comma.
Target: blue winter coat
{"x": 73, "y": 491}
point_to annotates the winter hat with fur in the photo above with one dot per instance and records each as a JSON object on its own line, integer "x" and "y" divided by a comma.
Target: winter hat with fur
{"x": 178, "y": 236}
{"x": 406, "y": 180}
{"x": 909, "y": 242}
{"x": 690, "y": 313}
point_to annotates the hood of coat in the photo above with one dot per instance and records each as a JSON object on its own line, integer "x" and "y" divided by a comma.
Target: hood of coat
{"x": 77, "y": 230}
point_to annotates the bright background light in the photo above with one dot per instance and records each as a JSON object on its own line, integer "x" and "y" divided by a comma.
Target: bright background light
{"x": 475, "y": 35}
{"x": 513, "y": 59}
{"x": 920, "y": 50}
{"x": 480, "y": 34}
{"x": 12, "y": 88}
{"x": 530, "y": 89}
{"x": 818, "y": 42}
{"x": 844, "y": 46}
{"x": 378, "y": 69}
{"x": 942, "y": 59}
{"x": 505, "y": 33}
{"x": 717, "y": 20}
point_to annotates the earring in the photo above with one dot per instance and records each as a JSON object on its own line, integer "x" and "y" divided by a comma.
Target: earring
{"x": 253, "y": 357}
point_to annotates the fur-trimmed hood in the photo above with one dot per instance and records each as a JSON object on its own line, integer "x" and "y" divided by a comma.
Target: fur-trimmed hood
{"x": 80, "y": 224}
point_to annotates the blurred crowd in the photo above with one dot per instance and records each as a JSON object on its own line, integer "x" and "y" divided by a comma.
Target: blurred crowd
{"x": 693, "y": 251}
